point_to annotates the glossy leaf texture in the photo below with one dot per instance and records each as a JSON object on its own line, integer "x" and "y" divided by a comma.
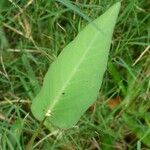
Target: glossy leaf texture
{"x": 73, "y": 80}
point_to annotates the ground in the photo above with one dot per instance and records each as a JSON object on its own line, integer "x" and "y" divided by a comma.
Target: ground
{"x": 33, "y": 33}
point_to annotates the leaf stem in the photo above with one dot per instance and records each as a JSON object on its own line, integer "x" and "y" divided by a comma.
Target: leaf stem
{"x": 31, "y": 141}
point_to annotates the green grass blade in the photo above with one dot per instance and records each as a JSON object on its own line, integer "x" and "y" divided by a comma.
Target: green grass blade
{"x": 141, "y": 131}
{"x": 68, "y": 4}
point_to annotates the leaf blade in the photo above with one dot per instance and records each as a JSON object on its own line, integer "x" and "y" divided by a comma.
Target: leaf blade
{"x": 60, "y": 97}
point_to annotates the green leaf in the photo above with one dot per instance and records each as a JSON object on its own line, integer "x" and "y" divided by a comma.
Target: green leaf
{"x": 73, "y": 81}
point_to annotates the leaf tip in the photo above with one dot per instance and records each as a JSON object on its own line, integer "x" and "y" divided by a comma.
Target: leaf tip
{"x": 117, "y": 5}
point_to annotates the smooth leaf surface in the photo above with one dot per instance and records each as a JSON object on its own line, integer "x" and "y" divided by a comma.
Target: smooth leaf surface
{"x": 73, "y": 81}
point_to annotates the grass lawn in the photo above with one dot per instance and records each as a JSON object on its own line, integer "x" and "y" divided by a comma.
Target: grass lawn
{"x": 32, "y": 35}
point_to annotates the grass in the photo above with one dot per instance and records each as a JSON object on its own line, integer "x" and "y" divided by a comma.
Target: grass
{"x": 33, "y": 33}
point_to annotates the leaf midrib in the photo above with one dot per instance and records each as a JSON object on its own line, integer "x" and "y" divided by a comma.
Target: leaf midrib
{"x": 56, "y": 99}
